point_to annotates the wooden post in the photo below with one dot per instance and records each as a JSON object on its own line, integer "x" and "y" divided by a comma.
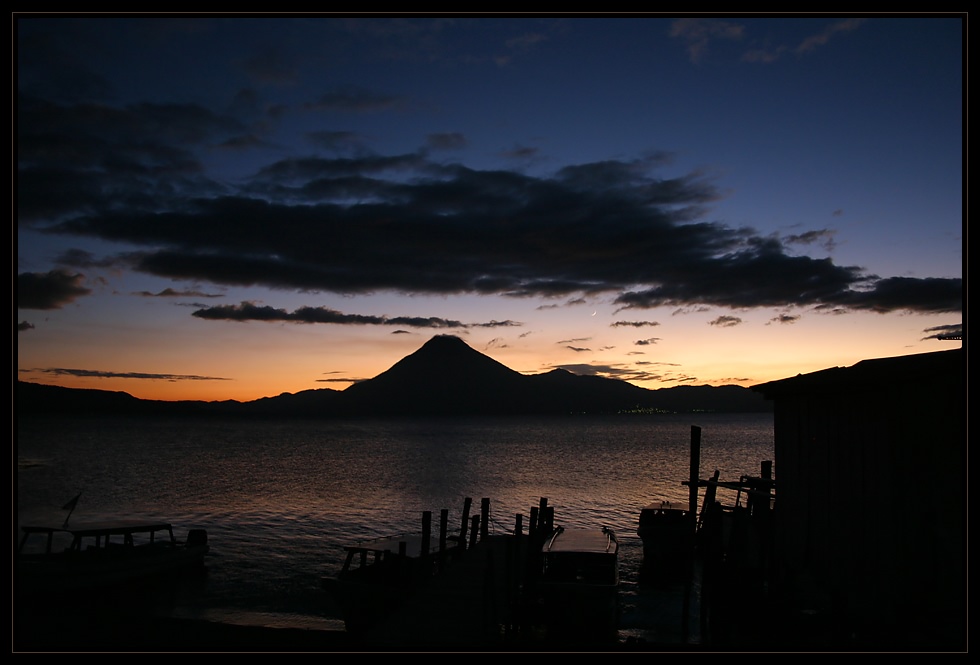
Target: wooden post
{"x": 511, "y": 576}
{"x": 467, "y": 502}
{"x": 532, "y": 524}
{"x": 543, "y": 514}
{"x": 695, "y": 473}
{"x": 709, "y": 498}
{"x": 692, "y": 514}
{"x": 443, "y": 527}
{"x": 474, "y": 530}
{"x": 484, "y": 518}
{"x": 426, "y": 533}
{"x": 519, "y": 525}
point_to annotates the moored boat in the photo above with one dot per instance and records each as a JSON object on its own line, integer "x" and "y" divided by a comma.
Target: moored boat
{"x": 379, "y": 575}
{"x": 667, "y": 534}
{"x": 102, "y": 556}
{"x": 579, "y": 583}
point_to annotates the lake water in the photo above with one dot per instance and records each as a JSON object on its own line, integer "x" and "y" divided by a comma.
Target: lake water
{"x": 280, "y": 499}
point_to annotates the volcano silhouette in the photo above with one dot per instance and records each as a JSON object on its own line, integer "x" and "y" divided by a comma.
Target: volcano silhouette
{"x": 443, "y": 377}
{"x": 447, "y": 376}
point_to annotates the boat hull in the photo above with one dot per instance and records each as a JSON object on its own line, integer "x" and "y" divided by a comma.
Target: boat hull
{"x": 668, "y": 542}
{"x": 579, "y": 585}
{"x": 379, "y": 576}
{"x": 365, "y": 604}
{"x": 66, "y": 575}
{"x": 576, "y": 611}
{"x": 101, "y": 559}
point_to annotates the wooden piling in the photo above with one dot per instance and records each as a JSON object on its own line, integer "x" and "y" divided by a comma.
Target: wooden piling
{"x": 443, "y": 536}
{"x": 475, "y": 530}
{"x": 710, "y": 489}
{"x": 533, "y": 542}
{"x": 692, "y": 514}
{"x": 484, "y": 518}
{"x": 695, "y": 473}
{"x": 467, "y": 502}
{"x": 426, "y": 533}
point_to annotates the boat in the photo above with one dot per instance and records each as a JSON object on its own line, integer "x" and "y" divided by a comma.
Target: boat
{"x": 380, "y": 575}
{"x": 579, "y": 583}
{"x": 668, "y": 536}
{"x": 103, "y": 556}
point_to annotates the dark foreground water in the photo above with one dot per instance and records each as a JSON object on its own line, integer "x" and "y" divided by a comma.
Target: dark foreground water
{"x": 280, "y": 499}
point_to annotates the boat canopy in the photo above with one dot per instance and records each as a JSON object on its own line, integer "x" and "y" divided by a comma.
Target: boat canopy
{"x": 109, "y": 527}
{"x": 582, "y": 541}
{"x": 101, "y": 532}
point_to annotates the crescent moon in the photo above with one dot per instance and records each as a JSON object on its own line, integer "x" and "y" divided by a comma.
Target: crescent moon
{"x": 593, "y": 313}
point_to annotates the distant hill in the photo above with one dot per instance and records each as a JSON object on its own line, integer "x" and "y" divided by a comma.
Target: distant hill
{"x": 443, "y": 377}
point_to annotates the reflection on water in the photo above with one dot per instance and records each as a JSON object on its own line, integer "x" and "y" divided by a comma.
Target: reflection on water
{"x": 280, "y": 499}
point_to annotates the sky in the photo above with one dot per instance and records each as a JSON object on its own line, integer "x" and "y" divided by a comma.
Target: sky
{"x": 233, "y": 207}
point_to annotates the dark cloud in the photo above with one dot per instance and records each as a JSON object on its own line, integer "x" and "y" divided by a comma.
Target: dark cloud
{"x": 406, "y": 224}
{"x": 88, "y": 158}
{"x": 51, "y": 290}
{"x": 771, "y": 53}
{"x": 726, "y": 321}
{"x": 952, "y": 331}
{"x": 813, "y": 42}
{"x": 174, "y": 293}
{"x": 622, "y": 372}
{"x": 100, "y": 374}
{"x": 647, "y": 342}
{"x": 55, "y": 73}
{"x": 79, "y": 258}
{"x": 24, "y": 325}
{"x": 521, "y": 152}
{"x": 496, "y": 343}
{"x": 243, "y": 142}
{"x": 633, "y": 324}
{"x": 337, "y": 141}
{"x": 930, "y": 294}
{"x": 354, "y": 99}
{"x": 784, "y": 318}
{"x": 823, "y": 237}
{"x": 698, "y": 33}
{"x": 446, "y": 141}
{"x": 250, "y": 312}
{"x": 341, "y": 380}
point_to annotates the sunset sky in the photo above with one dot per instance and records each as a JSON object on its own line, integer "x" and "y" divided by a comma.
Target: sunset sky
{"x": 236, "y": 207}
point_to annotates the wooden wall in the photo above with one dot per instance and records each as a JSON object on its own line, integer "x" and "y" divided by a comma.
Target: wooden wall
{"x": 871, "y": 483}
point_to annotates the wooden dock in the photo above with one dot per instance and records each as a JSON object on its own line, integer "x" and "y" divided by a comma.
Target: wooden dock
{"x": 481, "y": 600}
{"x": 462, "y": 608}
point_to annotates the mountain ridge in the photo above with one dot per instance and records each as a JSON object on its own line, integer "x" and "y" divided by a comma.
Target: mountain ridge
{"x": 444, "y": 377}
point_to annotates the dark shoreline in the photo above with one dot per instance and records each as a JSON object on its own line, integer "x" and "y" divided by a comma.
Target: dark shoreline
{"x": 117, "y": 632}
{"x": 104, "y": 631}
